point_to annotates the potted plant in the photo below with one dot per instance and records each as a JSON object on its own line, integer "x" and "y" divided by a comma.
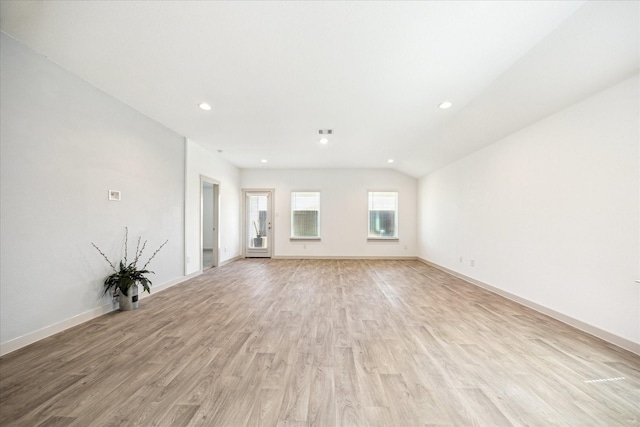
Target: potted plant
{"x": 123, "y": 283}
{"x": 258, "y": 241}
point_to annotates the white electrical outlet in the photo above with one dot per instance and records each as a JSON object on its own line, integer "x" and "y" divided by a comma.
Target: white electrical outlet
{"x": 461, "y": 259}
{"x": 188, "y": 259}
{"x": 472, "y": 263}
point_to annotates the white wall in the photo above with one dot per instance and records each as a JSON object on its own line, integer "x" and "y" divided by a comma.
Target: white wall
{"x": 343, "y": 211}
{"x": 64, "y": 144}
{"x": 550, "y": 214}
{"x": 203, "y": 162}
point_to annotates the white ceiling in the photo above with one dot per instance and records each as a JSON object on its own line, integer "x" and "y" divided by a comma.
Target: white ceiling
{"x": 374, "y": 72}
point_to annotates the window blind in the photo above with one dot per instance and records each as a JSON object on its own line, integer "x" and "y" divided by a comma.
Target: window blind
{"x": 305, "y": 214}
{"x": 383, "y": 214}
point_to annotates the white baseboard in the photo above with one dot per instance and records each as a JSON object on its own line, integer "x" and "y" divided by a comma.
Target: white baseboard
{"x": 393, "y": 258}
{"x": 624, "y": 343}
{"x": 47, "y": 331}
{"x": 225, "y": 262}
{"x": 230, "y": 260}
{"x": 170, "y": 283}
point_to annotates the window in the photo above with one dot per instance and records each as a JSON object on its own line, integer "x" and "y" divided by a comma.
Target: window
{"x": 305, "y": 214}
{"x": 383, "y": 214}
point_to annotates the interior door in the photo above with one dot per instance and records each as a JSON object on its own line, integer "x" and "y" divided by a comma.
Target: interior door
{"x": 258, "y": 241}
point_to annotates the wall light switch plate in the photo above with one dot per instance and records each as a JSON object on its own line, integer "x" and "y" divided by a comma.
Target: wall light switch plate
{"x": 114, "y": 195}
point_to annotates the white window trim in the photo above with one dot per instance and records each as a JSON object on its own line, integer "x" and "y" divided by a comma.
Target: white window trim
{"x": 383, "y": 239}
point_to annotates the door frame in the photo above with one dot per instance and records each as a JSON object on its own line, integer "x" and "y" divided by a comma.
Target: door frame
{"x": 246, "y": 251}
{"x": 216, "y": 220}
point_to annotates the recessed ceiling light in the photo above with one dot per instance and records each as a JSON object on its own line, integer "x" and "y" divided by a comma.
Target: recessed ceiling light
{"x": 323, "y": 140}
{"x": 204, "y": 106}
{"x": 263, "y": 161}
{"x": 444, "y": 105}
{"x": 390, "y": 161}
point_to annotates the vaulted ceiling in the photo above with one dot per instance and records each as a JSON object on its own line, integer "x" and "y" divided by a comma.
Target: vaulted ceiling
{"x": 373, "y": 72}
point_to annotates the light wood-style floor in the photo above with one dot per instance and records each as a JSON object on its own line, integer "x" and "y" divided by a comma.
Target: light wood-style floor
{"x": 321, "y": 343}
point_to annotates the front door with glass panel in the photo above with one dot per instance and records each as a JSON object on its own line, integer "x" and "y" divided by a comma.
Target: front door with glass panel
{"x": 258, "y": 240}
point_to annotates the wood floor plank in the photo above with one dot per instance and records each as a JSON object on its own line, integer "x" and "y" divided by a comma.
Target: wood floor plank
{"x": 402, "y": 404}
{"x": 221, "y": 395}
{"x": 348, "y": 405}
{"x": 266, "y": 407}
{"x": 297, "y": 389}
{"x": 40, "y": 393}
{"x": 322, "y": 402}
{"x": 262, "y": 342}
{"x": 484, "y": 408}
{"x": 180, "y": 415}
{"x": 56, "y": 422}
{"x": 378, "y": 416}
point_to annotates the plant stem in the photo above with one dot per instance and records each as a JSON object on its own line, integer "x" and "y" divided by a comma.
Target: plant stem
{"x": 126, "y": 239}
{"x": 154, "y": 254}
{"x": 139, "y": 254}
{"x": 105, "y": 257}
{"x": 138, "y": 251}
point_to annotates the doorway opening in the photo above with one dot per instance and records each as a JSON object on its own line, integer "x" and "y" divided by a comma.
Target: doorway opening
{"x": 209, "y": 218}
